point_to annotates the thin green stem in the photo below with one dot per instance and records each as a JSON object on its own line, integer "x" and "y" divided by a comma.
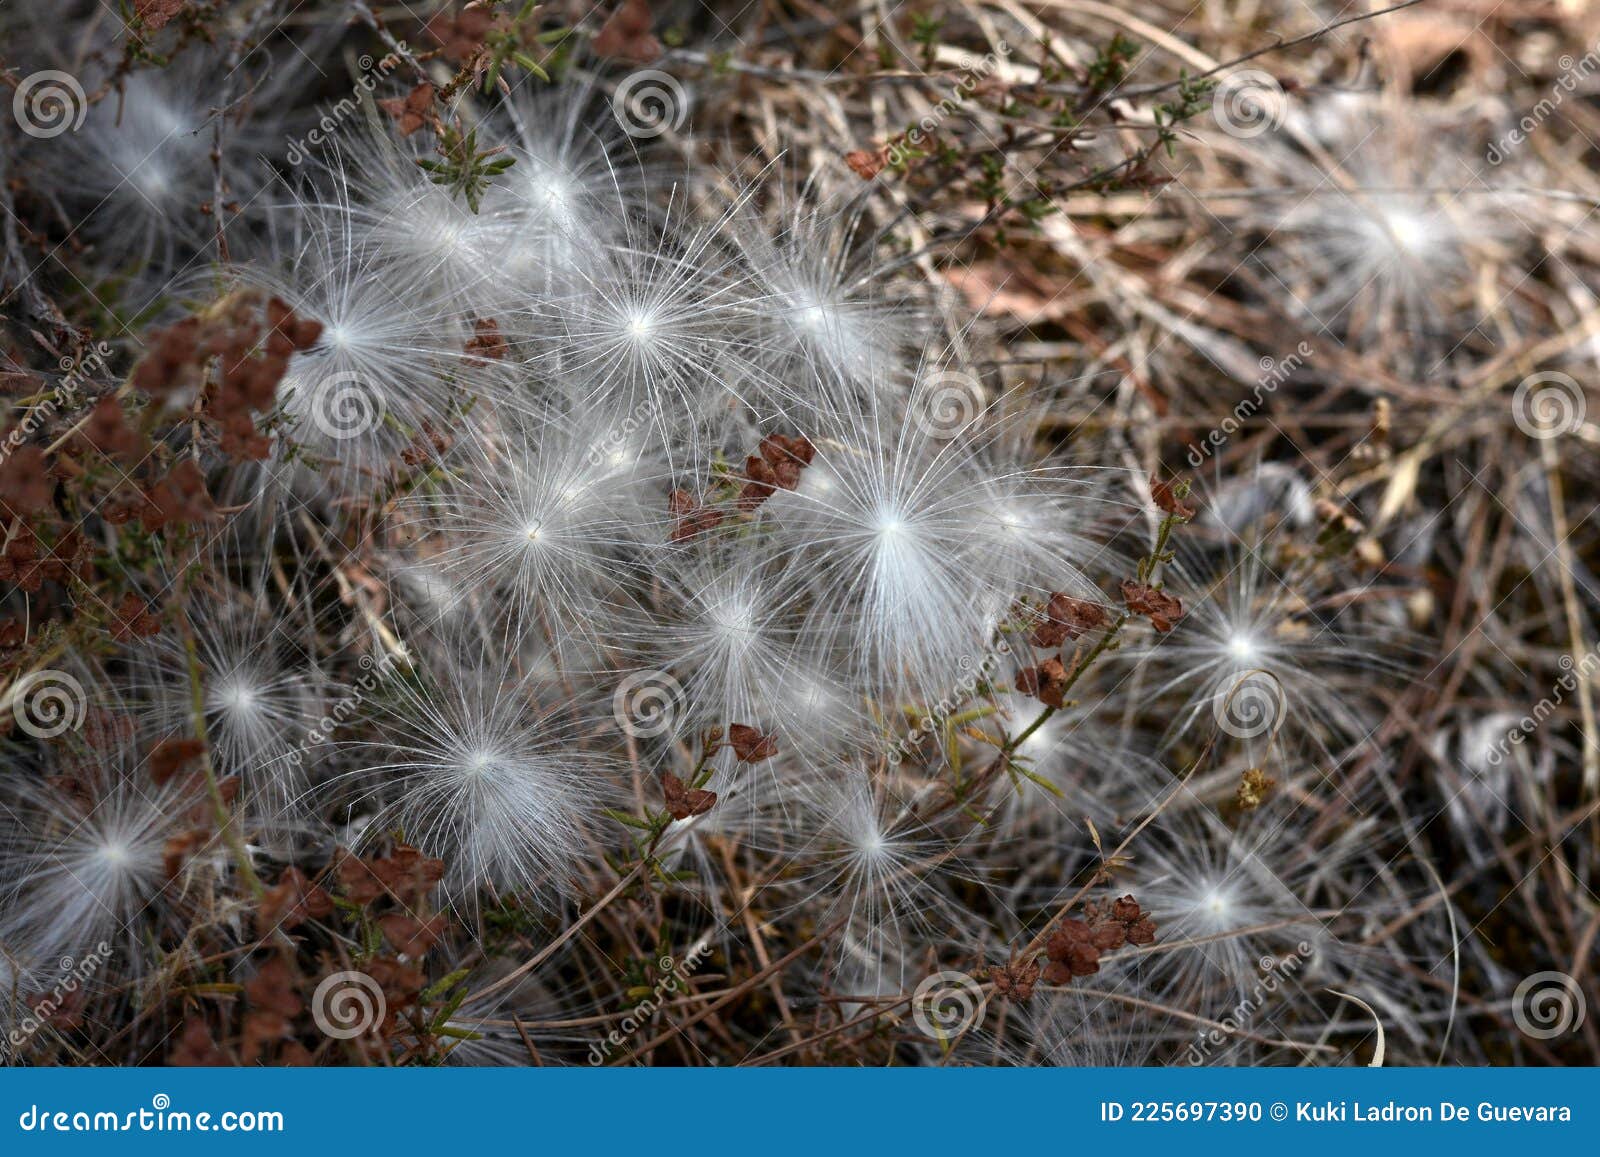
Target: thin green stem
{"x": 1100, "y": 648}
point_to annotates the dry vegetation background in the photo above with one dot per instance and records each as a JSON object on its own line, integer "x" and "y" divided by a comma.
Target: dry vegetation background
{"x": 1334, "y": 265}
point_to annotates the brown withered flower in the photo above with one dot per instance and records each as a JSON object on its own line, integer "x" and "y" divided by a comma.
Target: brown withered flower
{"x": 626, "y": 34}
{"x": 195, "y": 1046}
{"x": 251, "y": 341}
{"x": 171, "y": 755}
{"x": 273, "y": 1003}
{"x": 19, "y": 561}
{"x": 461, "y": 35}
{"x": 412, "y": 111}
{"x": 682, "y": 801}
{"x": 71, "y": 557}
{"x": 179, "y": 849}
{"x": 1065, "y": 617}
{"x": 867, "y": 163}
{"x": 132, "y": 619}
{"x": 359, "y": 883}
{"x": 1072, "y": 952}
{"x": 25, "y": 482}
{"x": 107, "y": 430}
{"x": 291, "y": 901}
{"x": 1075, "y": 946}
{"x": 690, "y": 518}
{"x": 409, "y": 935}
{"x": 1163, "y": 610}
{"x": 750, "y": 745}
{"x": 761, "y": 482}
{"x": 155, "y": 15}
{"x": 1015, "y": 980}
{"x": 777, "y": 465}
{"x": 1047, "y": 682}
{"x": 780, "y": 448}
{"x": 426, "y": 446}
{"x": 401, "y": 985}
{"x": 172, "y": 360}
{"x": 406, "y": 874}
{"x": 487, "y": 343}
{"x": 179, "y": 497}
{"x": 1135, "y": 921}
